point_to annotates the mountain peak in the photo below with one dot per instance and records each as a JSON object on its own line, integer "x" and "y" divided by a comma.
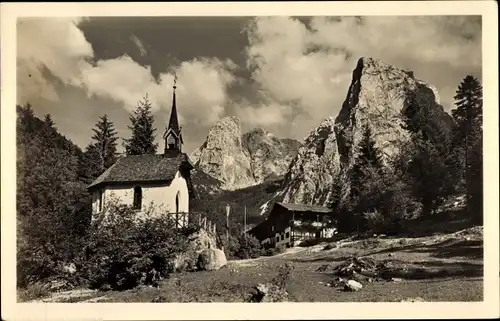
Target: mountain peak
{"x": 240, "y": 161}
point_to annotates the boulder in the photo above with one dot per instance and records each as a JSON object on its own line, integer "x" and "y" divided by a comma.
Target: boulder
{"x": 211, "y": 259}
{"x": 352, "y": 286}
{"x": 197, "y": 242}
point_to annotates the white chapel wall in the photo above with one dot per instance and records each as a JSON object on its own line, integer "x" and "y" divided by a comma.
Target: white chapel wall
{"x": 161, "y": 195}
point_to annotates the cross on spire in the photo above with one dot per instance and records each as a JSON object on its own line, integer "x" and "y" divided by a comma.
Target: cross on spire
{"x": 175, "y": 80}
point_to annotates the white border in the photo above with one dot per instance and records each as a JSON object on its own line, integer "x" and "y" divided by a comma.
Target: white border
{"x": 223, "y": 311}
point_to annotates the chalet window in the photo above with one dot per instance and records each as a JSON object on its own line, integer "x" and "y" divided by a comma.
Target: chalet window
{"x": 277, "y": 238}
{"x": 287, "y": 234}
{"x": 137, "y": 198}
{"x": 101, "y": 199}
{"x": 282, "y": 237}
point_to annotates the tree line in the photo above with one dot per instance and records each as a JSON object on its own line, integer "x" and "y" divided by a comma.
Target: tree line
{"x": 53, "y": 204}
{"x": 438, "y": 161}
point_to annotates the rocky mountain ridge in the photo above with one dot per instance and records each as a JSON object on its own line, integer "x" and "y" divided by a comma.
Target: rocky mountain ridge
{"x": 376, "y": 98}
{"x": 240, "y": 160}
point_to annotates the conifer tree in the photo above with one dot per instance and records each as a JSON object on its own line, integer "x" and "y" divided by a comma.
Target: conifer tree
{"x": 468, "y": 116}
{"x": 142, "y": 140}
{"x": 105, "y": 140}
{"x": 368, "y": 159}
{"x": 48, "y": 120}
{"x": 91, "y": 164}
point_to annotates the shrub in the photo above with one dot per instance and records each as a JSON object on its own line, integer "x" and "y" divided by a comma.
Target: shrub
{"x": 123, "y": 251}
{"x": 275, "y": 250}
{"x": 241, "y": 247}
{"x": 249, "y": 247}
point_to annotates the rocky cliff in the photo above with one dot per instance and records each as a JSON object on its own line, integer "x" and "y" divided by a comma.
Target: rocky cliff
{"x": 378, "y": 97}
{"x": 240, "y": 160}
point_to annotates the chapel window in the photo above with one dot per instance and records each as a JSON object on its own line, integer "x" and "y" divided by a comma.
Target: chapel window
{"x": 137, "y": 198}
{"x": 101, "y": 199}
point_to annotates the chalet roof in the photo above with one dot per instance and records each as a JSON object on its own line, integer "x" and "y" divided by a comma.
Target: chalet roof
{"x": 304, "y": 208}
{"x": 142, "y": 168}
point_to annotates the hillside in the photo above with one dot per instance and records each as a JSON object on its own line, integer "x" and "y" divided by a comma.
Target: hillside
{"x": 53, "y": 206}
{"x": 253, "y": 197}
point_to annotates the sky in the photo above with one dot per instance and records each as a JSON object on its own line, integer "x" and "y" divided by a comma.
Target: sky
{"x": 285, "y": 74}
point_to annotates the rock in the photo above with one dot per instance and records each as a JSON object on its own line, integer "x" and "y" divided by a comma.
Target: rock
{"x": 240, "y": 160}
{"x": 396, "y": 280}
{"x": 313, "y": 170}
{"x": 211, "y": 259}
{"x": 197, "y": 242}
{"x": 267, "y": 292}
{"x": 377, "y": 98}
{"x": 352, "y": 285}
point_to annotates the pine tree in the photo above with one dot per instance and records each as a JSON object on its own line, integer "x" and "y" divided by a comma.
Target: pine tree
{"x": 368, "y": 158}
{"x": 48, "y": 120}
{"x": 91, "y": 164}
{"x": 142, "y": 140}
{"x": 468, "y": 116}
{"x": 105, "y": 140}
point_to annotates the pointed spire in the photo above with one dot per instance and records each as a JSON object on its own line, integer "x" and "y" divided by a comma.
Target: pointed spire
{"x": 174, "y": 121}
{"x": 173, "y": 136}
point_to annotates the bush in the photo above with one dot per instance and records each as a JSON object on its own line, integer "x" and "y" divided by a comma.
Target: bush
{"x": 241, "y": 247}
{"x": 275, "y": 250}
{"x": 249, "y": 247}
{"x": 123, "y": 252}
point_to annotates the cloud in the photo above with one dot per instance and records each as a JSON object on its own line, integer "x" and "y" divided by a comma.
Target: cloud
{"x": 59, "y": 47}
{"x": 300, "y": 72}
{"x": 54, "y": 44}
{"x": 139, "y": 45}
{"x": 309, "y": 67}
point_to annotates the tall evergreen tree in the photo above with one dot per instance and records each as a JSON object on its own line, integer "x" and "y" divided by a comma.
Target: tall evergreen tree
{"x": 48, "y": 120}
{"x": 105, "y": 140}
{"x": 469, "y": 118}
{"x": 368, "y": 158}
{"x": 142, "y": 140}
{"x": 91, "y": 164}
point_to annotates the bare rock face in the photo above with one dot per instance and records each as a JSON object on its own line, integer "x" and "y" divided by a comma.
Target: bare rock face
{"x": 223, "y": 156}
{"x": 238, "y": 160}
{"x": 312, "y": 171}
{"x": 377, "y": 97}
{"x": 270, "y": 155}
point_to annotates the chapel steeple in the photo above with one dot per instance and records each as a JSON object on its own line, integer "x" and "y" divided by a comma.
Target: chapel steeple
{"x": 173, "y": 137}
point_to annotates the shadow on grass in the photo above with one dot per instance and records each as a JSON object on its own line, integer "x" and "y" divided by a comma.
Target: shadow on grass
{"x": 427, "y": 270}
{"x": 441, "y": 223}
{"x": 472, "y": 249}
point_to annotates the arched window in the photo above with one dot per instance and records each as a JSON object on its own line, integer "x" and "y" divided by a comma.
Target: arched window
{"x": 137, "y": 198}
{"x": 101, "y": 199}
{"x": 177, "y": 203}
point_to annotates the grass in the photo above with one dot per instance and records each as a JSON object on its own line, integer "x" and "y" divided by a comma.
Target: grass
{"x": 435, "y": 268}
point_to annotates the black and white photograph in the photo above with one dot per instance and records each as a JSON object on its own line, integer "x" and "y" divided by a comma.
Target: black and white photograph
{"x": 249, "y": 158}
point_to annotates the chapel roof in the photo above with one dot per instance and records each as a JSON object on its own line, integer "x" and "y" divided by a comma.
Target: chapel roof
{"x": 146, "y": 168}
